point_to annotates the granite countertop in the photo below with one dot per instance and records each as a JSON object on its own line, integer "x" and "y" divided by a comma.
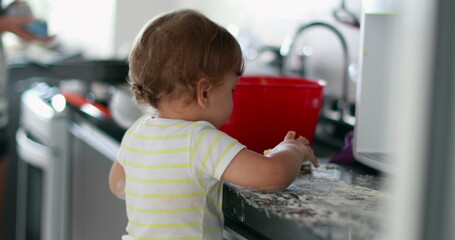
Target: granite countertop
{"x": 331, "y": 202}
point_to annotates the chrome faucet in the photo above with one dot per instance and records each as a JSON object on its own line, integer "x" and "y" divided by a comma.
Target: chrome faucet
{"x": 343, "y": 103}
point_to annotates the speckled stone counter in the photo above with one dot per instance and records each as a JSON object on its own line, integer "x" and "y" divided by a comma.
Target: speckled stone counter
{"x": 332, "y": 202}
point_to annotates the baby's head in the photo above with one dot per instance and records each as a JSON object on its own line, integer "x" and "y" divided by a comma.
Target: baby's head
{"x": 177, "y": 49}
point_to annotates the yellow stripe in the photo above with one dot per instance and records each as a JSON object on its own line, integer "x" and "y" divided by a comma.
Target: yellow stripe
{"x": 160, "y": 181}
{"x": 228, "y": 148}
{"x": 196, "y": 145}
{"x": 212, "y": 229}
{"x": 170, "y": 196}
{"x": 177, "y": 210}
{"x": 163, "y": 151}
{"x": 162, "y": 225}
{"x": 144, "y": 123}
{"x": 158, "y": 166}
{"x": 209, "y": 214}
{"x": 217, "y": 203}
{"x": 128, "y": 131}
{"x": 143, "y": 137}
{"x": 177, "y": 125}
{"x": 157, "y": 238}
{"x": 154, "y": 125}
{"x": 181, "y": 125}
{"x": 206, "y": 158}
{"x": 218, "y": 186}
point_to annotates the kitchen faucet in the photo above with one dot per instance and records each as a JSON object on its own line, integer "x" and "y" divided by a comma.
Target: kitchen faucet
{"x": 343, "y": 103}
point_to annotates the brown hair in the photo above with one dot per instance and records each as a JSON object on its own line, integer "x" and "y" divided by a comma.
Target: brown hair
{"x": 177, "y": 49}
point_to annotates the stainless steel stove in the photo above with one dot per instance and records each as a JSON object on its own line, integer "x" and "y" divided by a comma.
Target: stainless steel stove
{"x": 43, "y": 168}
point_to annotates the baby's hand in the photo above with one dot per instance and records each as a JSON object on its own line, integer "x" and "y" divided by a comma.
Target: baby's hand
{"x": 309, "y": 154}
{"x": 299, "y": 146}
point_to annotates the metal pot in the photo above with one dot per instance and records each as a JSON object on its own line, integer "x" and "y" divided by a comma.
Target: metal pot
{"x": 124, "y": 110}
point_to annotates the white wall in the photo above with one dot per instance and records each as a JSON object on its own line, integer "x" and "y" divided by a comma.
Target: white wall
{"x": 84, "y": 24}
{"x": 107, "y": 28}
{"x": 270, "y": 21}
{"x": 262, "y": 22}
{"x": 131, "y": 15}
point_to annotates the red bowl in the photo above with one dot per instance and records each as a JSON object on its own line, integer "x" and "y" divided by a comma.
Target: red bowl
{"x": 266, "y": 108}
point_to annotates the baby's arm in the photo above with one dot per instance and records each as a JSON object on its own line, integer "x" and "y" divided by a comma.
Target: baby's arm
{"x": 274, "y": 171}
{"x": 117, "y": 180}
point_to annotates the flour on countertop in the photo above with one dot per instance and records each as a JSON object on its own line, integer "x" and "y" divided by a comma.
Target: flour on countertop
{"x": 329, "y": 207}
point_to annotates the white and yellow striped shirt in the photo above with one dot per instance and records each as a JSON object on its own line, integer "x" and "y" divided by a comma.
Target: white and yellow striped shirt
{"x": 173, "y": 178}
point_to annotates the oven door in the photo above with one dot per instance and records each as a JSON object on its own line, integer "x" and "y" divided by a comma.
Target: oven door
{"x": 33, "y": 200}
{"x": 42, "y": 210}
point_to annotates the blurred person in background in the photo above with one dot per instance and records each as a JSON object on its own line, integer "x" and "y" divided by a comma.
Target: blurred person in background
{"x": 14, "y": 18}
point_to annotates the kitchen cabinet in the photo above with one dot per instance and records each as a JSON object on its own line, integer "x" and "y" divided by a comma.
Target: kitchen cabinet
{"x": 95, "y": 212}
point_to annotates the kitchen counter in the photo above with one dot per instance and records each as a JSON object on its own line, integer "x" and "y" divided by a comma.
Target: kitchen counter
{"x": 332, "y": 202}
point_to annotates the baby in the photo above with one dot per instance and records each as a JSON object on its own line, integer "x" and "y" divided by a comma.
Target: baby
{"x": 171, "y": 166}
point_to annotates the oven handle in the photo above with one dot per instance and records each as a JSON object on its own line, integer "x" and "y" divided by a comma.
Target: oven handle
{"x": 33, "y": 152}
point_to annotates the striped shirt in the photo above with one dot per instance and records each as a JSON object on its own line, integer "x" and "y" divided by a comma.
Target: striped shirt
{"x": 173, "y": 174}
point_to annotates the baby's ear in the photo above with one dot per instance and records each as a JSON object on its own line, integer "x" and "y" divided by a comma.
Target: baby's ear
{"x": 202, "y": 92}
